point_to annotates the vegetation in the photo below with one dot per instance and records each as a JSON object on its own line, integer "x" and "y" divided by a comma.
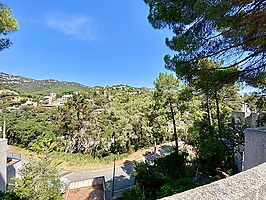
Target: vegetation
{"x": 39, "y": 180}
{"x": 171, "y": 174}
{"x": 166, "y": 95}
{"x": 196, "y": 107}
{"x": 8, "y": 24}
{"x": 88, "y": 122}
{"x": 31, "y": 87}
{"x": 230, "y": 30}
{"x": 94, "y": 126}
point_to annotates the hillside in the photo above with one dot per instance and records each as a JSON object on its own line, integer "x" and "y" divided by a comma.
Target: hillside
{"x": 28, "y": 85}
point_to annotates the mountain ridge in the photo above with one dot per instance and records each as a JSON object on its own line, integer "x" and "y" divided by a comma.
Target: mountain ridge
{"x": 23, "y": 84}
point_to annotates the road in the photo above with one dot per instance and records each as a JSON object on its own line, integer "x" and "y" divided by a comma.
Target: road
{"x": 124, "y": 174}
{"x": 124, "y": 177}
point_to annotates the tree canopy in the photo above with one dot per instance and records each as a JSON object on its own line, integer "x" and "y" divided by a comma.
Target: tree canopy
{"x": 8, "y": 24}
{"x": 166, "y": 88}
{"x": 233, "y": 30}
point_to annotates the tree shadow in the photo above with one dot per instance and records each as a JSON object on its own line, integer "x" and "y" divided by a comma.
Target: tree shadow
{"x": 151, "y": 156}
{"x": 124, "y": 182}
{"x": 121, "y": 184}
{"x": 96, "y": 193}
{"x": 166, "y": 149}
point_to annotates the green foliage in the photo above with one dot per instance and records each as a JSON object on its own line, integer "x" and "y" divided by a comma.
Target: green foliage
{"x": 89, "y": 121}
{"x": 25, "y": 125}
{"x": 214, "y": 149}
{"x": 95, "y": 126}
{"x": 180, "y": 185}
{"x": 133, "y": 194}
{"x": 9, "y": 195}
{"x": 215, "y": 29}
{"x": 207, "y": 76}
{"x": 7, "y": 24}
{"x": 235, "y": 132}
{"x": 166, "y": 83}
{"x": 166, "y": 95}
{"x": 39, "y": 180}
{"x": 170, "y": 174}
{"x": 45, "y": 143}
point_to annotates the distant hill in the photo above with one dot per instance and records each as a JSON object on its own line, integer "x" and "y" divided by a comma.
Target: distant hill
{"x": 27, "y": 85}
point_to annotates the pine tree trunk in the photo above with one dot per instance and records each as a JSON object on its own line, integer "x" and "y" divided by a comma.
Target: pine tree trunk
{"x": 175, "y": 133}
{"x": 208, "y": 112}
{"x": 218, "y": 111}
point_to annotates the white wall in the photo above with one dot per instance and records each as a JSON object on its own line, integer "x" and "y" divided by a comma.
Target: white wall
{"x": 3, "y": 154}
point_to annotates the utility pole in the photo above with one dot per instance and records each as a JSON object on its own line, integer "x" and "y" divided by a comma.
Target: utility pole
{"x": 113, "y": 185}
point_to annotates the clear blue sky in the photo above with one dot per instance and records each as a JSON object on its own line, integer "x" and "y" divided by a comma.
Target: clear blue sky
{"x": 91, "y": 42}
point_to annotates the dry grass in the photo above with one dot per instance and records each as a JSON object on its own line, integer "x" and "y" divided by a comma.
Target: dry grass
{"x": 26, "y": 154}
{"x": 80, "y": 162}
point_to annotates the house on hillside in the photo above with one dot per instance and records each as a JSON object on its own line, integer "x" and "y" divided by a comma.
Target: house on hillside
{"x": 32, "y": 103}
{"x": 65, "y": 97}
{"x": 52, "y": 101}
{"x": 251, "y": 118}
{"x": 46, "y": 100}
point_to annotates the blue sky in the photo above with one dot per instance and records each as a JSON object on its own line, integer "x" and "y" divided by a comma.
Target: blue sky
{"x": 90, "y": 42}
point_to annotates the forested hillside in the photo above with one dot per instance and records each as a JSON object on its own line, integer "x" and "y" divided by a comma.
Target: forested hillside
{"x": 31, "y": 86}
{"x": 111, "y": 120}
{"x": 114, "y": 119}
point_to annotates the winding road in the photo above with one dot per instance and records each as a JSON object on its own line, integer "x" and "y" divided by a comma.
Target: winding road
{"x": 124, "y": 174}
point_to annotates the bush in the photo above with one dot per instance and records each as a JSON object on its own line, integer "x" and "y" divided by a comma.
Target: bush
{"x": 180, "y": 185}
{"x": 39, "y": 181}
{"x": 133, "y": 194}
{"x": 169, "y": 175}
{"x": 9, "y": 195}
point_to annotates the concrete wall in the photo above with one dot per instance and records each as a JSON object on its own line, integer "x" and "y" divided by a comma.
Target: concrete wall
{"x": 247, "y": 185}
{"x": 255, "y": 147}
{"x": 239, "y": 158}
{"x": 12, "y": 172}
{"x": 3, "y": 153}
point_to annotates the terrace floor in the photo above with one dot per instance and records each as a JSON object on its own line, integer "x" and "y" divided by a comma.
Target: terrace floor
{"x": 86, "y": 193}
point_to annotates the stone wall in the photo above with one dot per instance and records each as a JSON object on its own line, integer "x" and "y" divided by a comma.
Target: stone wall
{"x": 247, "y": 185}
